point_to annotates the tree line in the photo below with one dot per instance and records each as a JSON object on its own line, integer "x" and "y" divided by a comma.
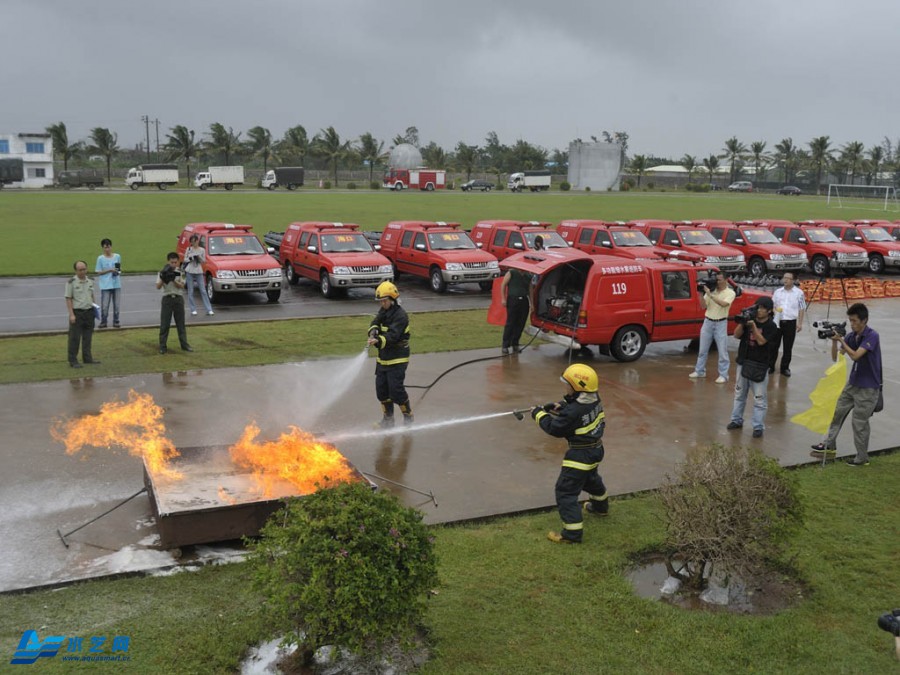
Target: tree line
{"x": 324, "y": 150}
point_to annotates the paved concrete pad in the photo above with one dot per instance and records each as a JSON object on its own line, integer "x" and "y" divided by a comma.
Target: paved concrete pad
{"x": 655, "y": 414}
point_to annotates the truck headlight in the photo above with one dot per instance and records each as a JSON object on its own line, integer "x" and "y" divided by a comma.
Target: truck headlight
{"x": 386, "y": 269}
{"x": 274, "y": 272}
{"x": 740, "y": 258}
{"x": 776, "y": 256}
{"x": 455, "y": 267}
{"x": 894, "y": 254}
{"x": 712, "y": 259}
{"x": 225, "y": 274}
{"x": 493, "y": 265}
{"x": 340, "y": 269}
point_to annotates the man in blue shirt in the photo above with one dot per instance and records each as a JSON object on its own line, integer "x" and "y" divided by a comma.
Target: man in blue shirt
{"x": 863, "y": 387}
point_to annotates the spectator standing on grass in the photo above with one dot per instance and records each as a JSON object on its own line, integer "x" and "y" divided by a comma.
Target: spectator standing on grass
{"x": 80, "y": 302}
{"x": 194, "y": 258}
{"x": 715, "y": 328}
{"x": 790, "y": 308}
{"x": 108, "y": 269}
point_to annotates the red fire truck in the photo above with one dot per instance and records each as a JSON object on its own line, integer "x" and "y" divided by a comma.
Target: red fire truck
{"x": 415, "y": 179}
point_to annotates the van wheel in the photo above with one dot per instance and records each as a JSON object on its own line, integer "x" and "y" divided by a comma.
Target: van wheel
{"x": 271, "y": 187}
{"x": 229, "y": 187}
{"x": 204, "y": 186}
{"x": 819, "y": 265}
{"x": 628, "y": 343}
{"x": 486, "y": 286}
{"x": 429, "y": 187}
{"x": 438, "y": 285}
{"x": 134, "y": 186}
{"x": 210, "y": 289}
{"x": 273, "y": 295}
{"x": 757, "y": 267}
{"x": 876, "y": 263}
{"x": 325, "y": 286}
{"x": 92, "y": 187}
{"x": 291, "y": 186}
{"x": 290, "y": 274}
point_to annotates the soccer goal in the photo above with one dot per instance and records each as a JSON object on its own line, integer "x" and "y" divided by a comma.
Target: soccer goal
{"x": 877, "y": 197}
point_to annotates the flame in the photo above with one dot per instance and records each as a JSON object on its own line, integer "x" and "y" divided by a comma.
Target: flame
{"x": 135, "y": 425}
{"x": 225, "y": 496}
{"x": 296, "y": 457}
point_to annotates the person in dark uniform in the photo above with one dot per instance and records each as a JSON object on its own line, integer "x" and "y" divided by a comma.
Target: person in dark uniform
{"x": 389, "y": 333}
{"x": 514, "y": 290}
{"x": 80, "y": 303}
{"x": 579, "y": 418}
{"x": 171, "y": 282}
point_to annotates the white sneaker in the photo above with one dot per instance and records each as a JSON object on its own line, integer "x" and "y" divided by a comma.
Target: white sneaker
{"x": 695, "y": 375}
{"x": 193, "y": 312}
{"x": 721, "y": 380}
{"x": 210, "y": 313}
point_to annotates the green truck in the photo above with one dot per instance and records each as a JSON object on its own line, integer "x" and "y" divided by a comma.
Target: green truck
{"x": 11, "y": 171}
{"x": 81, "y": 178}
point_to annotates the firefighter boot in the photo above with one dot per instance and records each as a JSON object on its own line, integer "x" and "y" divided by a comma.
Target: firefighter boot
{"x": 387, "y": 411}
{"x": 408, "y": 418}
{"x": 557, "y": 538}
{"x": 598, "y": 506}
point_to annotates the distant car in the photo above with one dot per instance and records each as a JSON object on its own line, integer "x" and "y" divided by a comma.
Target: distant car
{"x": 741, "y": 186}
{"x": 789, "y": 190}
{"x": 477, "y": 184}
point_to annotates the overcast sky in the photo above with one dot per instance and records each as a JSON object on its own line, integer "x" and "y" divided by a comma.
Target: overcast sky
{"x": 678, "y": 77}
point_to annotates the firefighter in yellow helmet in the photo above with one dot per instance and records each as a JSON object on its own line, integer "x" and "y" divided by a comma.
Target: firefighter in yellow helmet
{"x": 579, "y": 418}
{"x": 389, "y": 333}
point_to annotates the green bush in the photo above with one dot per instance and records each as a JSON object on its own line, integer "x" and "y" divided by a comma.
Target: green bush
{"x": 450, "y": 185}
{"x": 627, "y": 184}
{"x": 587, "y": 188}
{"x": 351, "y": 186}
{"x": 375, "y": 185}
{"x": 345, "y": 566}
{"x": 326, "y": 184}
{"x": 651, "y": 185}
{"x": 565, "y": 186}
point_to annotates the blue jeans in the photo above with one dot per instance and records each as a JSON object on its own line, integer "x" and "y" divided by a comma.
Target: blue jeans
{"x": 713, "y": 331}
{"x": 742, "y": 387}
{"x": 197, "y": 279}
{"x": 105, "y": 298}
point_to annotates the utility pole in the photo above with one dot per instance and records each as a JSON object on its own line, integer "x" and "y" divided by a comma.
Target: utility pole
{"x": 146, "y": 120}
{"x": 156, "y": 122}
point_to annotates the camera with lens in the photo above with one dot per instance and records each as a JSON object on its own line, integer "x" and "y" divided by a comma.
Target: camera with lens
{"x": 828, "y": 329}
{"x": 195, "y": 258}
{"x": 168, "y": 274}
{"x": 890, "y": 622}
{"x": 747, "y": 314}
{"x": 707, "y": 283}
{"x": 118, "y": 269}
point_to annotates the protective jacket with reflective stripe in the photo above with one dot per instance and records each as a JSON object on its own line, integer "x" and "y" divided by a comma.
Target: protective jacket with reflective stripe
{"x": 392, "y": 339}
{"x": 580, "y": 420}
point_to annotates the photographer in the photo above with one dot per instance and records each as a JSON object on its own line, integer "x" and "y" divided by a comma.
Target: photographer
{"x": 108, "y": 269}
{"x": 717, "y": 302}
{"x": 194, "y": 259}
{"x": 170, "y": 281}
{"x": 755, "y": 335}
{"x": 863, "y": 388}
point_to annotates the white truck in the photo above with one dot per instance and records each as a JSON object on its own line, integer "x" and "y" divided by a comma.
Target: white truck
{"x": 532, "y": 180}
{"x": 220, "y": 176}
{"x": 160, "y": 175}
{"x": 290, "y": 177}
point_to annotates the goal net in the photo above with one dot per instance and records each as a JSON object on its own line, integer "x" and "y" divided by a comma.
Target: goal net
{"x": 875, "y": 197}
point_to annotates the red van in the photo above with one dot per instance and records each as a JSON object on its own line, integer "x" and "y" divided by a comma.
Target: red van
{"x": 601, "y": 237}
{"x": 762, "y": 250}
{"x": 693, "y": 240}
{"x": 823, "y": 248}
{"x": 503, "y": 238}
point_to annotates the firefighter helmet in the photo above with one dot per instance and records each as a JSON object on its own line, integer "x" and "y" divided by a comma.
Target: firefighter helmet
{"x": 386, "y": 289}
{"x": 581, "y": 378}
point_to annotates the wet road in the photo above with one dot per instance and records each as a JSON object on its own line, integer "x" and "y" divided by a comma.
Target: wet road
{"x": 36, "y": 304}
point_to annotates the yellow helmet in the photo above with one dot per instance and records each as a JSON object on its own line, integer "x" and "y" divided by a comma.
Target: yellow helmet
{"x": 581, "y": 377}
{"x": 386, "y": 289}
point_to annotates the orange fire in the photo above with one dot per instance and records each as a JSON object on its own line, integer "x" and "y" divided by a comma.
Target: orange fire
{"x": 296, "y": 457}
{"x": 135, "y": 425}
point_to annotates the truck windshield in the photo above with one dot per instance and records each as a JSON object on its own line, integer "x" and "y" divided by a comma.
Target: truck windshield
{"x": 235, "y": 244}
{"x": 630, "y": 238}
{"x": 822, "y": 236}
{"x": 551, "y": 239}
{"x": 698, "y": 238}
{"x": 875, "y": 234}
{"x": 352, "y": 242}
{"x": 448, "y": 241}
{"x": 760, "y": 236}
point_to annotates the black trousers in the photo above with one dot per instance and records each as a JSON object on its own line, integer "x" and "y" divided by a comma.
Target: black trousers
{"x": 389, "y": 386}
{"x": 572, "y": 482}
{"x": 787, "y": 337}
{"x": 516, "y": 318}
{"x": 81, "y": 333}
{"x": 172, "y": 307}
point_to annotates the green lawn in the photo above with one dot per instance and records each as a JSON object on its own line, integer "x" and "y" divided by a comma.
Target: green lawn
{"x": 45, "y": 231}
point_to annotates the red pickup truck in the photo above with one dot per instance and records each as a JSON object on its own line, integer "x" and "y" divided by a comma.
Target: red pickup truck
{"x": 763, "y": 251}
{"x": 822, "y": 247}
{"x": 693, "y": 240}
{"x": 600, "y": 237}
{"x": 335, "y": 255}
{"x": 441, "y": 252}
{"x": 503, "y": 238}
{"x": 883, "y": 249}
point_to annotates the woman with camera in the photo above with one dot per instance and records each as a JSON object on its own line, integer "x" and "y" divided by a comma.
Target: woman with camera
{"x": 194, "y": 257}
{"x": 108, "y": 269}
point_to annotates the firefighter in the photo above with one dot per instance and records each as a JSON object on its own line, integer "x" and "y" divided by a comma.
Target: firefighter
{"x": 579, "y": 418}
{"x": 389, "y": 333}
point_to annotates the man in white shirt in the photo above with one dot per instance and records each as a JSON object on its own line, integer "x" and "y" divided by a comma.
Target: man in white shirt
{"x": 790, "y": 307}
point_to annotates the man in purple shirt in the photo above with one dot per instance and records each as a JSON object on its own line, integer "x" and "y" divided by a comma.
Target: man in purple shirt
{"x": 863, "y": 387}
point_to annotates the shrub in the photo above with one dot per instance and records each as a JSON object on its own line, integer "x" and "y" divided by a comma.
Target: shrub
{"x": 450, "y": 185}
{"x": 651, "y": 185}
{"x": 375, "y": 185}
{"x": 326, "y": 184}
{"x": 345, "y": 566}
{"x": 587, "y": 188}
{"x": 627, "y": 184}
{"x": 565, "y": 186}
{"x": 731, "y": 508}
{"x": 351, "y": 186}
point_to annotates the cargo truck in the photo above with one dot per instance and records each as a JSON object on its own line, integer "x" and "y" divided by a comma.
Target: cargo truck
{"x": 220, "y": 176}
{"x": 11, "y": 171}
{"x": 290, "y": 177}
{"x": 160, "y": 175}
{"x": 530, "y": 180}
{"x": 81, "y": 178}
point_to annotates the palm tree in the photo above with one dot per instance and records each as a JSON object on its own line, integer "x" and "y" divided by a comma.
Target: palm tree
{"x": 689, "y": 162}
{"x": 260, "y": 142}
{"x": 370, "y": 151}
{"x": 61, "y": 146}
{"x": 820, "y": 155}
{"x": 466, "y": 158}
{"x": 852, "y": 154}
{"x": 758, "y": 150}
{"x": 411, "y": 136}
{"x": 712, "y": 164}
{"x": 220, "y": 140}
{"x": 639, "y": 166}
{"x": 328, "y": 144}
{"x": 876, "y": 156}
{"x": 734, "y": 151}
{"x": 181, "y": 145}
{"x": 786, "y": 155}
{"x": 295, "y": 142}
{"x": 104, "y": 143}
{"x": 434, "y": 156}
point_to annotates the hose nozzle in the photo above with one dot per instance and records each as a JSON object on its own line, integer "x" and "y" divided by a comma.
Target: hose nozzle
{"x": 520, "y": 414}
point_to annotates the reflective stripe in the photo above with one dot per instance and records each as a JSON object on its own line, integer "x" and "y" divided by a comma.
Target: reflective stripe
{"x": 392, "y": 362}
{"x": 568, "y": 463}
{"x": 383, "y": 341}
{"x": 537, "y": 418}
{"x": 573, "y": 526}
{"x": 590, "y": 427}
{"x": 598, "y": 499}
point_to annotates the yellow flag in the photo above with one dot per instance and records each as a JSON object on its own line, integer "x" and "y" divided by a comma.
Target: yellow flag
{"x": 817, "y": 417}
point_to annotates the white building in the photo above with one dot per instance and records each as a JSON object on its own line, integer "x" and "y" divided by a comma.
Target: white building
{"x": 35, "y": 151}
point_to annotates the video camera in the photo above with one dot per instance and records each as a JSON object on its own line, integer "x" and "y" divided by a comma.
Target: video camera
{"x": 168, "y": 274}
{"x": 707, "y": 283}
{"x": 827, "y": 329}
{"x": 747, "y": 314}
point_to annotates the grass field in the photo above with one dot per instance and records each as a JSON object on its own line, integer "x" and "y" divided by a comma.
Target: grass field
{"x": 44, "y": 232}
